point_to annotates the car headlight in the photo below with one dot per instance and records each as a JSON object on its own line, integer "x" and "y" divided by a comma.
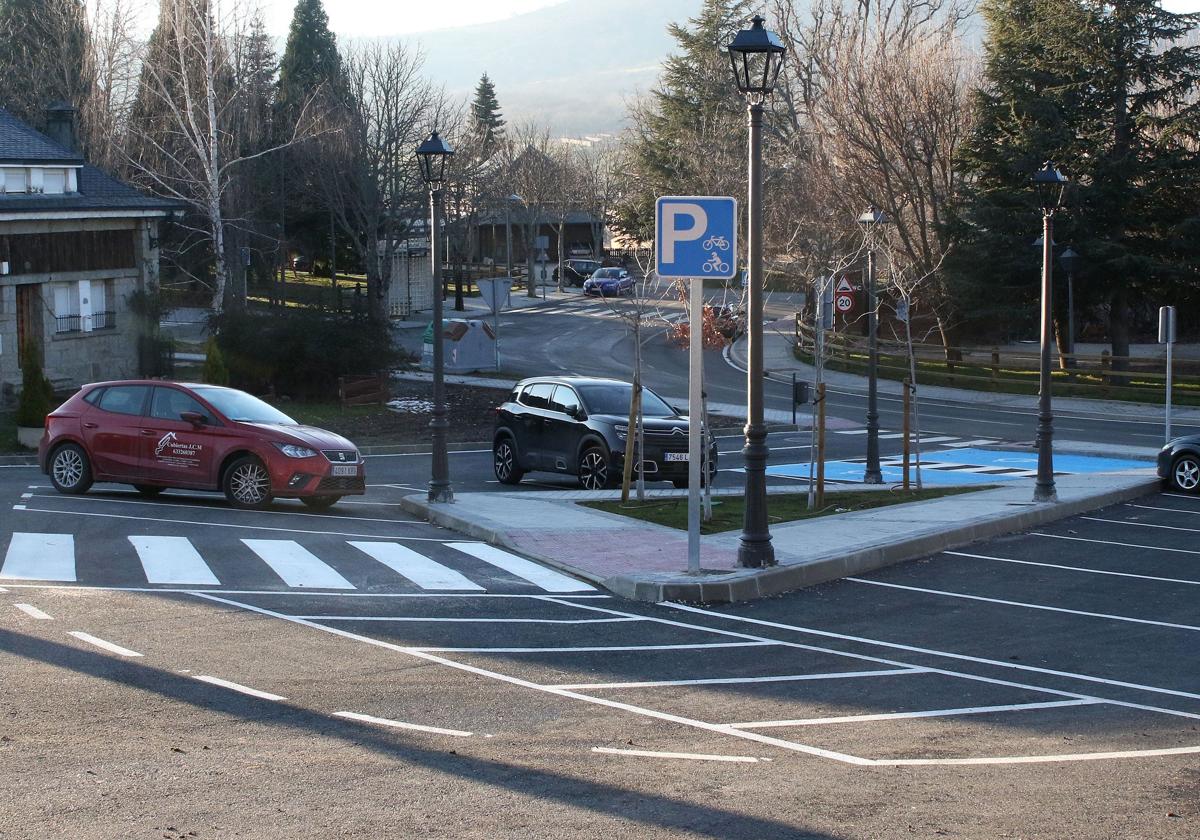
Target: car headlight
{"x": 621, "y": 430}
{"x": 293, "y": 451}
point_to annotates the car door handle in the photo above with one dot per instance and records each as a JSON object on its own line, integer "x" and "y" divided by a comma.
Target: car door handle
{"x": 149, "y": 432}
{"x": 91, "y": 425}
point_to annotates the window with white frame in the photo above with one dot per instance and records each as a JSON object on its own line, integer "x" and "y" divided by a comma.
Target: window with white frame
{"x": 15, "y": 180}
{"x": 83, "y": 306}
{"x": 54, "y": 181}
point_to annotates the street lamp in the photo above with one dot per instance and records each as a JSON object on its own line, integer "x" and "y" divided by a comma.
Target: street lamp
{"x": 755, "y": 56}
{"x": 434, "y": 156}
{"x": 508, "y": 204}
{"x": 870, "y": 220}
{"x": 1070, "y": 260}
{"x": 1050, "y": 185}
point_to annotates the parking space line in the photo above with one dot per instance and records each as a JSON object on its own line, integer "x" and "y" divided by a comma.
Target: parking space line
{"x": 172, "y": 560}
{"x": 425, "y": 573}
{"x": 973, "y": 710}
{"x": 1182, "y": 496}
{"x": 595, "y": 649}
{"x": 943, "y": 593}
{"x": 837, "y": 675}
{"x": 1034, "y": 759}
{"x": 1075, "y": 568}
{"x": 962, "y": 657}
{"x": 1113, "y": 542}
{"x": 1141, "y": 524}
{"x": 736, "y": 759}
{"x": 100, "y": 643}
{"x": 421, "y": 619}
{"x": 238, "y": 687}
{"x": 234, "y": 525}
{"x": 224, "y": 509}
{"x": 399, "y": 724}
{"x": 511, "y": 680}
{"x": 1164, "y": 509}
{"x": 33, "y": 612}
{"x": 158, "y": 590}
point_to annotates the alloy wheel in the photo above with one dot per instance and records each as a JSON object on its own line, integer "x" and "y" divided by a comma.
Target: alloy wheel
{"x": 250, "y": 484}
{"x": 1187, "y": 473}
{"x": 68, "y": 467}
{"x": 503, "y": 461}
{"x": 593, "y": 470}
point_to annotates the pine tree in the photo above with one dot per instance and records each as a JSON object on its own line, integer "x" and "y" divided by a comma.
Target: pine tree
{"x": 44, "y": 56}
{"x": 1103, "y": 90}
{"x": 486, "y": 122}
{"x": 692, "y": 123}
{"x": 310, "y": 60}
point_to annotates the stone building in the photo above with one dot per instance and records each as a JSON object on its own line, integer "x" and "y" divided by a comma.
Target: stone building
{"x": 75, "y": 244}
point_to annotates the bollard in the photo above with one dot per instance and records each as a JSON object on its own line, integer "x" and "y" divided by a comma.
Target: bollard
{"x": 995, "y": 363}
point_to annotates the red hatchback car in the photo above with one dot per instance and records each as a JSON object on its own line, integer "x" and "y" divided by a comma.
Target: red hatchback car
{"x": 156, "y": 435}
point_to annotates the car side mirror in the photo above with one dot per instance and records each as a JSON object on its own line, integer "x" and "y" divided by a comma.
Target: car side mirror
{"x": 194, "y": 417}
{"x": 575, "y": 412}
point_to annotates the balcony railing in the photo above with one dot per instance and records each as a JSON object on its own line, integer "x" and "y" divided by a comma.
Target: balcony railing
{"x": 74, "y": 323}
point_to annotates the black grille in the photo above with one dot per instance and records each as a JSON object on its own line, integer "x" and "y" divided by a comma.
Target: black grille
{"x": 665, "y": 436}
{"x": 342, "y": 484}
{"x": 341, "y": 456}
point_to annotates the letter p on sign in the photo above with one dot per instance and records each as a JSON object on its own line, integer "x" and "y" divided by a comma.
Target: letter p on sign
{"x": 695, "y": 236}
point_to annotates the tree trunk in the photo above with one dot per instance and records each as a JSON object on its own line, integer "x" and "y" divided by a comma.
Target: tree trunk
{"x": 950, "y": 345}
{"x": 1060, "y": 343}
{"x": 1118, "y": 329}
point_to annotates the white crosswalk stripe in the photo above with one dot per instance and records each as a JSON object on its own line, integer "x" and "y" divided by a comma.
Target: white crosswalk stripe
{"x": 39, "y": 557}
{"x": 172, "y": 560}
{"x": 297, "y": 565}
{"x": 538, "y": 575}
{"x": 418, "y": 568}
{"x": 175, "y": 561}
{"x": 927, "y": 438}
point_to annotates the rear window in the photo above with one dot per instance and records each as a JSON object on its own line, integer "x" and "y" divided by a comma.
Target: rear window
{"x": 93, "y": 396}
{"x": 124, "y": 399}
{"x": 537, "y": 395}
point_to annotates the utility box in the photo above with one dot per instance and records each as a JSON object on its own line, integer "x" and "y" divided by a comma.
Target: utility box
{"x": 801, "y": 392}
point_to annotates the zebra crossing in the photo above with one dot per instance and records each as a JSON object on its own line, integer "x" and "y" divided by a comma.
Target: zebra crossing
{"x": 953, "y": 441}
{"x": 176, "y": 561}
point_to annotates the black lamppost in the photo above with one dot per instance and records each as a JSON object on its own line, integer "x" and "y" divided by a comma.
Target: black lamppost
{"x": 756, "y": 57}
{"x": 434, "y": 155}
{"x": 1070, "y": 260}
{"x": 870, "y": 221}
{"x": 1050, "y": 184}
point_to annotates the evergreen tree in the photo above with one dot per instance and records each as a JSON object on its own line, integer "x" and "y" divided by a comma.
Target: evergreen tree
{"x": 486, "y": 122}
{"x": 692, "y": 126}
{"x": 310, "y": 60}
{"x": 1106, "y": 91}
{"x": 44, "y": 56}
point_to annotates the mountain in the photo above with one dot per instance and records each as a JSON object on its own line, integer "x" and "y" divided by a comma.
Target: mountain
{"x": 573, "y": 66}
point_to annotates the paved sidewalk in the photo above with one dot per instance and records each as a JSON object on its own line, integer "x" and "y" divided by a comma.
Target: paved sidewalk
{"x": 779, "y": 360}
{"x": 647, "y": 562}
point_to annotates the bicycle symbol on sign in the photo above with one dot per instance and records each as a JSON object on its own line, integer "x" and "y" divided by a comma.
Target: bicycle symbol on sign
{"x": 714, "y": 264}
{"x": 718, "y": 242}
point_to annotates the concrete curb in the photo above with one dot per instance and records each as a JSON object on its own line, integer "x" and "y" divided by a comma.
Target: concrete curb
{"x": 749, "y": 584}
{"x": 761, "y": 583}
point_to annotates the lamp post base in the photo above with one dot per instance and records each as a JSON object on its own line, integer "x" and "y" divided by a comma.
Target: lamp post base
{"x": 440, "y": 494}
{"x": 1045, "y": 494}
{"x": 756, "y": 555}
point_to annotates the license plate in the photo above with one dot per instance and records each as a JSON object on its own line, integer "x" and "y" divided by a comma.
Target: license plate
{"x": 676, "y": 456}
{"x": 342, "y": 470}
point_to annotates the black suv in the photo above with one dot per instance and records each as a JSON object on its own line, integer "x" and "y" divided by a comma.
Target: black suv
{"x": 576, "y": 271}
{"x": 578, "y": 426}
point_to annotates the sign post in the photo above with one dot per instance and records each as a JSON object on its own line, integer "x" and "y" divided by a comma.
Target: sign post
{"x": 1166, "y": 335}
{"x": 695, "y": 237}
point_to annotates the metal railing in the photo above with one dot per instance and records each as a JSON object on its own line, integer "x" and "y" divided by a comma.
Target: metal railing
{"x": 74, "y": 323}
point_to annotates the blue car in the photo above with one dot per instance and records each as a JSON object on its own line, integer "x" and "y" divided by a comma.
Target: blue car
{"x": 608, "y": 281}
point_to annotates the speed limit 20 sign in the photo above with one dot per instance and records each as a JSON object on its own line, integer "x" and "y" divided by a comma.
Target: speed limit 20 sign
{"x": 843, "y": 297}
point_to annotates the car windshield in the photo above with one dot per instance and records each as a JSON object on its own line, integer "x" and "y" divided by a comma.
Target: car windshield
{"x": 243, "y": 408}
{"x": 613, "y": 398}
{"x": 607, "y": 273}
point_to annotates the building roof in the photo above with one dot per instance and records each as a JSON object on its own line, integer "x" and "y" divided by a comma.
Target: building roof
{"x": 21, "y": 145}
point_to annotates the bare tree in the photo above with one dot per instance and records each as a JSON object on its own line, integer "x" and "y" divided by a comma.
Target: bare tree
{"x": 533, "y": 171}
{"x": 367, "y": 170}
{"x": 600, "y": 182}
{"x": 186, "y": 133}
{"x": 116, "y": 59}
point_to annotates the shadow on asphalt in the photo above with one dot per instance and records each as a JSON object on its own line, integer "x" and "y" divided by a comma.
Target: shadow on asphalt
{"x": 638, "y": 806}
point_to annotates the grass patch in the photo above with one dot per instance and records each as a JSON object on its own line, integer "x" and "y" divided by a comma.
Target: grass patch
{"x": 790, "y": 507}
{"x": 8, "y": 436}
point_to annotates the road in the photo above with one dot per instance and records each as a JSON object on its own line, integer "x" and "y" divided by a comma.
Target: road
{"x": 181, "y": 669}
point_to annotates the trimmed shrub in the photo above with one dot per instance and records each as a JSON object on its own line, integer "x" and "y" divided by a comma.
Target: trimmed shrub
{"x": 301, "y": 353}
{"x": 215, "y": 372}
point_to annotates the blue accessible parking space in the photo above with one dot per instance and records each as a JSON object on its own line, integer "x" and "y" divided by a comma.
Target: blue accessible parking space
{"x": 963, "y": 467}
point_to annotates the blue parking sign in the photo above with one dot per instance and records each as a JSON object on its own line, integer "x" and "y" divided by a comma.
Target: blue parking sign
{"x": 695, "y": 236}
